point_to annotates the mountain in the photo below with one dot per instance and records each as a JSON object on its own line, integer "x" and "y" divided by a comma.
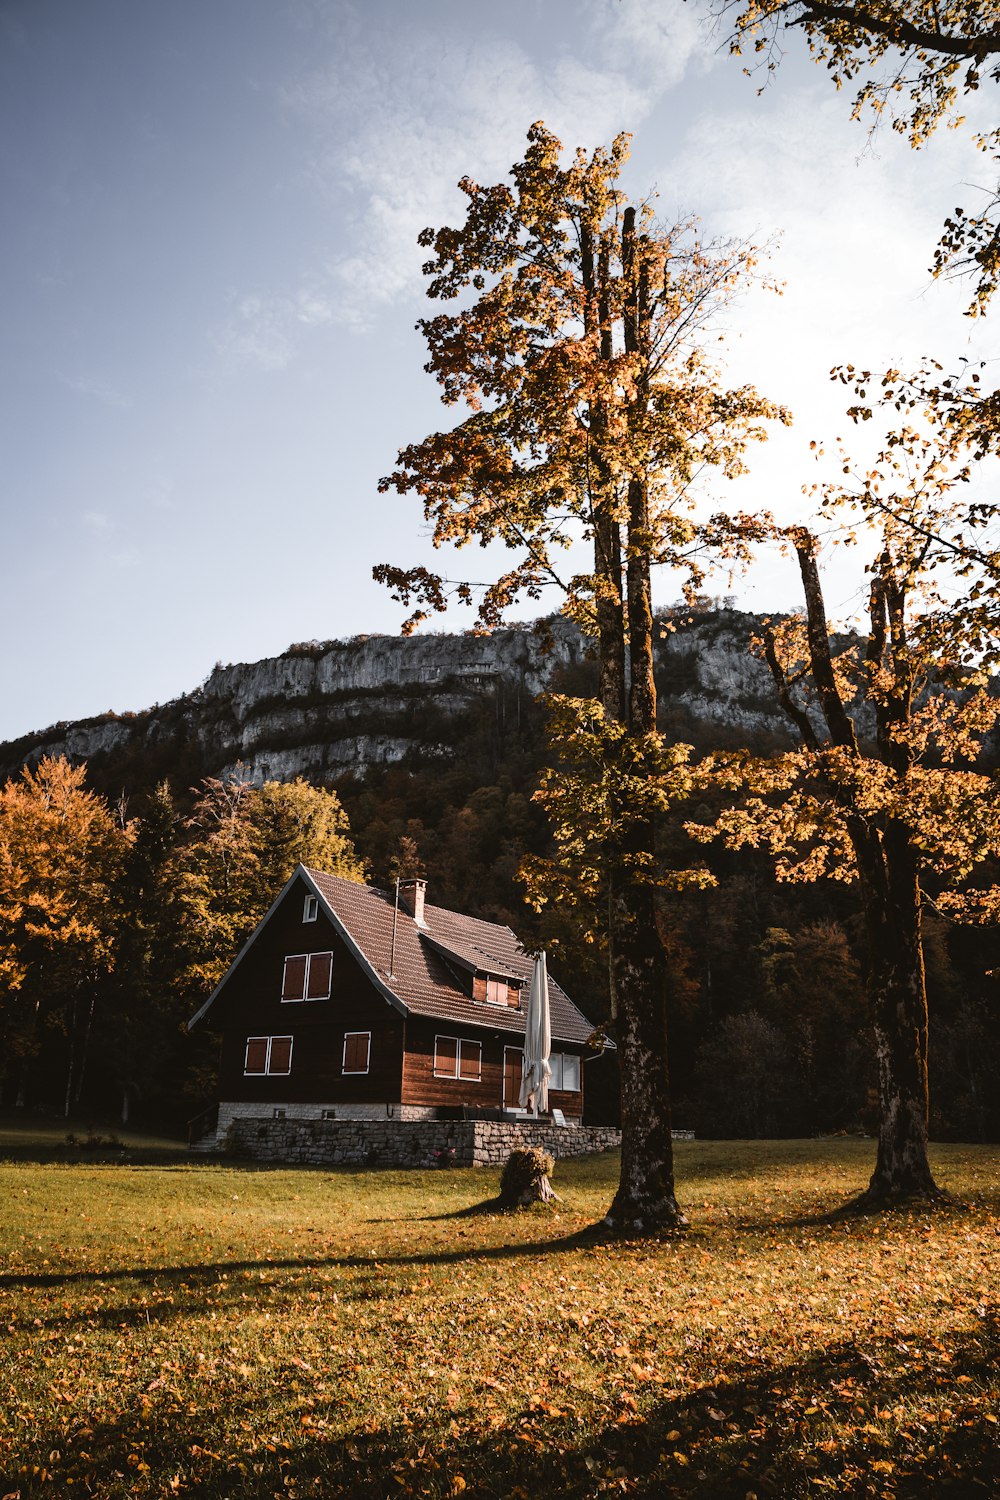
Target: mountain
{"x": 331, "y": 709}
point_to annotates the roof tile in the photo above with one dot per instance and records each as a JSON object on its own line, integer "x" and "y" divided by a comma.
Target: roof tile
{"x": 420, "y": 976}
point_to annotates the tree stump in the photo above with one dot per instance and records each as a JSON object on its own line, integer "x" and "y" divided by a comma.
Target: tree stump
{"x": 525, "y": 1178}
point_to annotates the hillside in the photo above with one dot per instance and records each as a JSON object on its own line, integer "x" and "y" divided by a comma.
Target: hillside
{"x": 335, "y": 709}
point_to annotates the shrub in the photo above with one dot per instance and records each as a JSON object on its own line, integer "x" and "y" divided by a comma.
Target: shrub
{"x": 525, "y": 1176}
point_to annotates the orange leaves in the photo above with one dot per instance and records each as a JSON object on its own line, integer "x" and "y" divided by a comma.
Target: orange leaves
{"x": 580, "y": 356}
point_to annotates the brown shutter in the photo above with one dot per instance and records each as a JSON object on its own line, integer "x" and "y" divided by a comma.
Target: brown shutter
{"x": 256, "y": 1055}
{"x": 470, "y": 1060}
{"x": 446, "y": 1056}
{"x": 496, "y": 991}
{"x": 357, "y": 1047}
{"x": 293, "y": 983}
{"x": 320, "y": 968}
{"x": 281, "y": 1055}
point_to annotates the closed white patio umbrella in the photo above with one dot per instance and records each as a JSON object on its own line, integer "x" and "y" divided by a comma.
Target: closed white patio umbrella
{"x": 537, "y": 1042}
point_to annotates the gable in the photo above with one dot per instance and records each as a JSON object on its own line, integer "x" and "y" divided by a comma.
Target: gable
{"x": 286, "y": 933}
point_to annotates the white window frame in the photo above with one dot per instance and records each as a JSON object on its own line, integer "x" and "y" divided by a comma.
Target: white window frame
{"x": 557, "y": 1062}
{"x": 496, "y": 980}
{"x": 441, "y": 1072}
{"x": 305, "y": 996}
{"x": 310, "y": 909}
{"x": 464, "y": 1042}
{"x": 356, "y": 1072}
{"x": 455, "y": 1076}
{"x": 268, "y": 1072}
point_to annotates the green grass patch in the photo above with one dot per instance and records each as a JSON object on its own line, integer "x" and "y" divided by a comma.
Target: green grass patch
{"x": 195, "y": 1329}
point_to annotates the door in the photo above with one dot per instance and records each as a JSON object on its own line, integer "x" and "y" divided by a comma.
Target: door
{"x": 513, "y": 1065}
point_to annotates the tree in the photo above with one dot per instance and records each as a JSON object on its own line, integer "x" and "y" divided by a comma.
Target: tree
{"x": 883, "y": 790}
{"x": 918, "y": 59}
{"x": 243, "y": 843}
{"x": 138, "y": 1029}
{"x": 593, "y": 407}
{"x": 62, "y": 852}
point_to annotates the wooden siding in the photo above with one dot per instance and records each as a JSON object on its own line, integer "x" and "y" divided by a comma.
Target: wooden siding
{"x": 421, "y": 1086}
{"x": 251, "y": 1005}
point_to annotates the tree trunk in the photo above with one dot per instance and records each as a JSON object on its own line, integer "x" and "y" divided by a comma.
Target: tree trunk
{"x": 899, "y": 1002}
{"x": 68, "y": 1101}
{"x": 84, "y": 1052}
{"x": 645, "y": 1200}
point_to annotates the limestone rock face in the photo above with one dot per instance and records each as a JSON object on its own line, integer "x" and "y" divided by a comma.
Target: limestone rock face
{"x": 326, "y": 710}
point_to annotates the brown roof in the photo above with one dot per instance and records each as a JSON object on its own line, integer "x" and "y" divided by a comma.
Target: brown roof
{"x": 422, "y": 982}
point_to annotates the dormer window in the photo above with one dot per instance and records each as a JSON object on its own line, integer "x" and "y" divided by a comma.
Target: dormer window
{"x": 310, "y": 909}
{"x": 496, "y": 991}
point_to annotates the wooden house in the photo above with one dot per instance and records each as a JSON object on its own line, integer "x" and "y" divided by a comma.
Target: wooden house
{"x": 346, "y": 1004}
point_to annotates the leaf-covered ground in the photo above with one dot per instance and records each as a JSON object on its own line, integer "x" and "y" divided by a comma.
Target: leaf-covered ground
{"x": 204, "y": 1330}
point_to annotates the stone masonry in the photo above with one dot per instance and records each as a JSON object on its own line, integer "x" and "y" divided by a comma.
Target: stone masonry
{"x": 406, "y": 1143}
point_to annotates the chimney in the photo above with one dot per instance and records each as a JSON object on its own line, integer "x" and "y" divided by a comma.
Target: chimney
{"x": 411, "y": 894}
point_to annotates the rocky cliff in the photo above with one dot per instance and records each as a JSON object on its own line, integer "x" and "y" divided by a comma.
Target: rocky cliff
{"x": 325, "y": 710}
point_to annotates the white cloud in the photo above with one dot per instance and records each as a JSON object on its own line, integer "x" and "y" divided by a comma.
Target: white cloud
{"x": 398, "y": 111}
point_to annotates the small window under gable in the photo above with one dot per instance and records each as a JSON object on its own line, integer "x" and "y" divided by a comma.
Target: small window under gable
{"x": 307, "y": 976}
{"x": 310, "y": 909}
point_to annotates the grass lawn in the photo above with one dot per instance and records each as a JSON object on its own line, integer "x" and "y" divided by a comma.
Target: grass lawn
{"x": 194, "y": 1329}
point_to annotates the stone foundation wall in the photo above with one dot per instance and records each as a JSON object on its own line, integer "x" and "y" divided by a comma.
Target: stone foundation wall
{"x": 405, "y": 1143}
{"x": 230, "y": 1110}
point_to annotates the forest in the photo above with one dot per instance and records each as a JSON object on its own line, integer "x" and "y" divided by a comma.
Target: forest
{"x": 120, "y": 910}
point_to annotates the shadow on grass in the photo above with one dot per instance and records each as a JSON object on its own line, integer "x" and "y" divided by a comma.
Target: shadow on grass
{"x": 886, "y": 1419}
{"x": 859, "y": 1211}
{"x": 219, "y": 1271}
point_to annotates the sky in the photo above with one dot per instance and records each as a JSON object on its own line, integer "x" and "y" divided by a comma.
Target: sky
{"x": 209, "y": 281}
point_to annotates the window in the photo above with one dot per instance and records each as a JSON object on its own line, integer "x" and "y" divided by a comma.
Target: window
{"x": 310, "y": 909}
{"x": 268, "y": 1054}
{"x": 446, "y": 1057}
{"x": 307, "y": 976}
{"x": 278, "y": 1114}
{"x": 496, "y": 991}
{"x": 565, "y": 1072}
{"x": 357, "y": 1051}
{"x": 458, "y": 1059}
{"x": 470, "y": 1061}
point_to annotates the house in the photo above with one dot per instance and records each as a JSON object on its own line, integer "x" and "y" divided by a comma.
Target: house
{"x": 345, "y": 1004}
